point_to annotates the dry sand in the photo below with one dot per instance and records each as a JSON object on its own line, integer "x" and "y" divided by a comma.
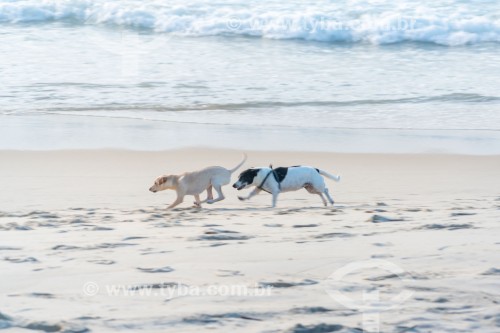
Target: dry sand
{"x": 76, "y": 224}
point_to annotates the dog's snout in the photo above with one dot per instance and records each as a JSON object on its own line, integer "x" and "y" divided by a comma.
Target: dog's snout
{"x": 235, "y": 186}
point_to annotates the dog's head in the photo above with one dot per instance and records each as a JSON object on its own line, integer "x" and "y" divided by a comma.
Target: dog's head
{"x": 246, "y": 178}
{"x": 162, "y": 183}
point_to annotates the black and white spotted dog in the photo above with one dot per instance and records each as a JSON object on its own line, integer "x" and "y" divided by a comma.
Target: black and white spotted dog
{"x": 285, "y": 179}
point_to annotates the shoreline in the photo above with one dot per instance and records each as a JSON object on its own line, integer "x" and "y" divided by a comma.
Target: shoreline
{"x": 48, "y": 133}
{"x": 238, "y": 151}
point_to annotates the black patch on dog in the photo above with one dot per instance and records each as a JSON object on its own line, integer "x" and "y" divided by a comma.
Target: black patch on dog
{"x": 280, "y": 173}
{"x": 248, "y": 176}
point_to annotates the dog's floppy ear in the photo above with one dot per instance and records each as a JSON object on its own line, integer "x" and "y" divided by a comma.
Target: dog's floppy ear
{"x": 162, "y": 180}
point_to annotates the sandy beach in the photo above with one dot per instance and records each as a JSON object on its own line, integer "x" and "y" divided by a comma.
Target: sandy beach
{"x": 100, "y": 97}
{"x": 412, "y": 242}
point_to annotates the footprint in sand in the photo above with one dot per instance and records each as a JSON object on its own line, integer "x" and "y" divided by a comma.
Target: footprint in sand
{"x": 15, "y": 226}
{"x": 223, "y": 237}
{"x": 380, "y": 218}
{"x": 154, "y": 252}
{"x": 315, "y": 328}
{"x": 492, "y": 271}
{"x": 157, "y": 285}
{"x": 441, "y": 300}
{"x": 213, "y": 231}
{"x": 214, "y": 234}
{"x": 383, "y": 244}
{"x": 101, "y": 229}
{"x": 132, "y": 238}
{"x": 284, "y": 284}
{"x": 212, "y": 319}
{"x": 436, "y": 226}
{"x": 9, "y": 248}
{"x": 310, "y": 310}
{"x": 381, "y": 256}
{"x": 41, "y": 295}
{"x": 273, "y": 225}
{"x": 42, "y": 214}
{"x": 92, "y": 247}
{"x": 165, "y": 269}
{"x": 102, "y": 262}
{"x": 453, "y": 310}
{"x": 405, "y": 275}
{"x": 228, "y": 272}
{"x": 21, "y": 260}
{"x": 10, "y": 322}
{"x": 334, "y": 235}
{"x": 461, "y": 214}
{"x": 218, "y": 244}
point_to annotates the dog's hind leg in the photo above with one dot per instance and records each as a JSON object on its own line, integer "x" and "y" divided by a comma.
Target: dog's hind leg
{"x": 323, "y": 199}
{"x": 311, "y": 189}
{"x": 210, "y": 195}
{"x": 220, "y": 196}
{"x": 328, "y": 196}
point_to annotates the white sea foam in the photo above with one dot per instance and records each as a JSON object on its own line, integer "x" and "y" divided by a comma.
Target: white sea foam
{"x": 444, "y": 22}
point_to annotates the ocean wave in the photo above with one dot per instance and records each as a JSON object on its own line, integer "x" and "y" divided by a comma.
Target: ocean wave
{"x": 447, "y": 98}
{"x": 444, "y": 22}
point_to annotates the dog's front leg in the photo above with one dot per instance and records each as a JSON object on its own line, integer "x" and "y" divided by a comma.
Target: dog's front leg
{"x": 176, "y": 202}
{"x": 275, "y": 197}
{"x": 253, "y": 193}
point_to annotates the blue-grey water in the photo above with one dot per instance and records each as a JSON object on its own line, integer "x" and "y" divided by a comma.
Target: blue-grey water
{"x": 329, "y": 75}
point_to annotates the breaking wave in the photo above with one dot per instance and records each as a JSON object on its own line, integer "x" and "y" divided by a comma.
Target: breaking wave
{"x": 443, "y": 22}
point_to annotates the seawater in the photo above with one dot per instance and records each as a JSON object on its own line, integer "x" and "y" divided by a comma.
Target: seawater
{"x": 321, "y": 67}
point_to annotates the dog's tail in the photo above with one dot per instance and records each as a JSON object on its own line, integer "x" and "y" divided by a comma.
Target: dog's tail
{"x": 240, "y": 164}
{"x": 329, "y": 175}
